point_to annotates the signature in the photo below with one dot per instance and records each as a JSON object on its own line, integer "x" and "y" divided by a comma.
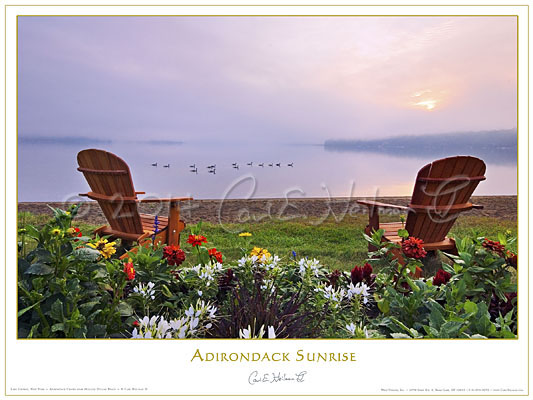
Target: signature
{"x": 274, "y": 377}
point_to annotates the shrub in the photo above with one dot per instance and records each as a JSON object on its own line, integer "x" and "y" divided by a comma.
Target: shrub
{"x": 74, "y": 286}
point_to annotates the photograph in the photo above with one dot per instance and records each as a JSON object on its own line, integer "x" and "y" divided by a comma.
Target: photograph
{"x": 267, "y": 177}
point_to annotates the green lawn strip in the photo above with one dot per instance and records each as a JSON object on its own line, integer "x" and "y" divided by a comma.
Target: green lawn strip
{"x": 337, "y": 244}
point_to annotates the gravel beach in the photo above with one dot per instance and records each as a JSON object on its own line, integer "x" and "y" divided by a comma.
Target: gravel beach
{"x": 241, "y": 210}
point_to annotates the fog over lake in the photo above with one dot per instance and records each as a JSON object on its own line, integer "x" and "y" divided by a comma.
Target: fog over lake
{"x": 359, "y": 104}
{"x": 47, "y": 171}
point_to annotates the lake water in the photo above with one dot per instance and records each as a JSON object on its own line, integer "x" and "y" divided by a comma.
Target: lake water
{"x": 47, "y": 172}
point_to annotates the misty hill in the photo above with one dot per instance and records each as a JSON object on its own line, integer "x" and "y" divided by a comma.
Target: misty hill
{"x": 497, "y": 146}
{"x": 87, "y": 141}
{"x": 72, "y": 140}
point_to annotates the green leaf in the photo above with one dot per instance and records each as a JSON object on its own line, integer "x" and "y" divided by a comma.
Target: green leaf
{"x": 86, "y": 254}
{"x": 478, "y": 336}
{"x": 33, "y": 330}
{"x": 384, "y": 306}
{"x": 466, "y": 257}
{"x": 56, "y": 311}
{"x": 450, "y": 329}
{"x": 66, "y": 249}
{"x": 396, "y": 335}
{"x": 436, "y": 320}
{"x": 58, "y": 327}
{"x": 124, "y": 309}
{"x": 40, "y": 269}
{"x": 470, "y": 307}
{"x": 23, "y": 266}
{"x": 23, "y": 311}
{"x": 403, "y": 233}
{"x": 502, "y": 239}
{"x": 507, "y": 334}
{"x": 32, "y": 231}
{"x": 85, "y": 308}
{"x": 166, "y": 291}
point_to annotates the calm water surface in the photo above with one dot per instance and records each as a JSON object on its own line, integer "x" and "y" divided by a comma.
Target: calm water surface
{"x": 47, "y": 172}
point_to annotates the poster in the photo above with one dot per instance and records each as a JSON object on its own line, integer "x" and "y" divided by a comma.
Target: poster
{"x": 287, "y": 70}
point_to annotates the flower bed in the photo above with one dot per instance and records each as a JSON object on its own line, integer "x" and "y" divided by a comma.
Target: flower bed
{"x": 76, "y": 286}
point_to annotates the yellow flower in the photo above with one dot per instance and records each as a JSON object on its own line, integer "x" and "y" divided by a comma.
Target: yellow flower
{"x": 245, "y": 234}
{"x": 67, "y": 212}
{"x": 261, "y": 254}
{"x": 55, "y": 232}
{"x": 71, "y": 231}
{"x": 106, "y": 249}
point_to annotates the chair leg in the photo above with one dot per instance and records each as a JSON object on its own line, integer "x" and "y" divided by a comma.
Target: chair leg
{"x": 373, "y": 224}
{"x": 175, "y": 225}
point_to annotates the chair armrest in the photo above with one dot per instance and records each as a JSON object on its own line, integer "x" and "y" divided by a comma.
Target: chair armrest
{"x": 478, "y": 206}
{"x": 140, "y": 192}
{"x": 169, "y": 200}
{"x": 373, "y": 204}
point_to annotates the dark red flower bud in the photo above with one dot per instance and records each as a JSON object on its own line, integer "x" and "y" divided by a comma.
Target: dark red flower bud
{"x": 367, "y": 271}
{"x": 441, "y": 277}
{"x": 357, "y": 275}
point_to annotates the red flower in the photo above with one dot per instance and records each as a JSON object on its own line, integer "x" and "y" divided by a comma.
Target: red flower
{"x": 196, "y": 240}
{"x": 367, "y": 271}
{"x": 441, "y": 277}
{"x": 494, "y": 246}
{"x": 413, "y": 248}
{"x": 75, "y": 232}
{"x": 360, "y": 274}
{"x": 357, "y": 275}
{"x": 174, "y": 255}
{"x": 136, "y": 323}
{"x": 217, "y": 255}
{"x": 129, "y": 270}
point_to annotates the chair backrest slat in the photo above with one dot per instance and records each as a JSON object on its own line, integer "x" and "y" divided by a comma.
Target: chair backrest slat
{"x": 442, "y": 187}
{"x": 109, "y": 175}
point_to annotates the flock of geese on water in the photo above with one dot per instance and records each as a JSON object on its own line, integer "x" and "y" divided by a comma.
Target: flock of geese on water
{"x": 212, "y": 169}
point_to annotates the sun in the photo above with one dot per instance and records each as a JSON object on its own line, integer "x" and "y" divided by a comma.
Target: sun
{"x": 429, "y": 104}
{"x": 425, "y": 99}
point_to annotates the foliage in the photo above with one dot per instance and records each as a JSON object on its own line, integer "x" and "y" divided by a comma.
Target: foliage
{"x": 70, "y": 285}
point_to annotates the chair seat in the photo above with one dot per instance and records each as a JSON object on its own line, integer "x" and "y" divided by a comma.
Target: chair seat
{"x": 147, "y": 224}
{"x": 391, "y": 235}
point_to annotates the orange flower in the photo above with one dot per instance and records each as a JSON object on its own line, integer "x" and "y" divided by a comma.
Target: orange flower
{"x": 196, "y": 240}
{"x": 217, "y": 255}
{"x": 129, "y": 270}
{"x": 413, "y": 248}
{"x": 174, "y": 255}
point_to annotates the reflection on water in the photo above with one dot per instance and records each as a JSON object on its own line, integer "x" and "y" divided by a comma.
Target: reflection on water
{"x": 47, "y": 172}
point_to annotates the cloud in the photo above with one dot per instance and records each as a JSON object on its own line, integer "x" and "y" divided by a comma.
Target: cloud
{"x": 263, "y": 78}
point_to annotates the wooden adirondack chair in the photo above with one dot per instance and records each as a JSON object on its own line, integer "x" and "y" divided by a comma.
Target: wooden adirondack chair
{"x": 112, "y": 187}
{"x": 442, "y": 191}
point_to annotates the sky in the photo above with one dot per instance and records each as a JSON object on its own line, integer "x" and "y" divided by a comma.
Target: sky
{"x": 248, "y": 79}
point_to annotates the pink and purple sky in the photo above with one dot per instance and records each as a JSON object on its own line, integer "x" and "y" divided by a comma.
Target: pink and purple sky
{"x": 286, "y": 79}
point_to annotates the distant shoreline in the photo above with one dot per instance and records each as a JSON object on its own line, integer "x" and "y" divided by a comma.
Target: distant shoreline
{"x": 235, "y": 210}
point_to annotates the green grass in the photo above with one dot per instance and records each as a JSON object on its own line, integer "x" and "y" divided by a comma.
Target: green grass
{"x": 336, "y": 244}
